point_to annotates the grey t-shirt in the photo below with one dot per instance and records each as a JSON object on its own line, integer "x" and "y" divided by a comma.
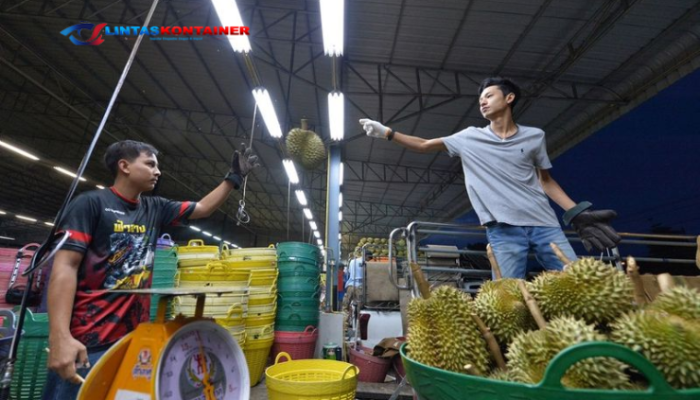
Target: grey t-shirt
{"x": 501, "y": 175}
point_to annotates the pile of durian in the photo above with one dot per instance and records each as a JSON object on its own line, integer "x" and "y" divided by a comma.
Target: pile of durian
{"x": 380, "y": 247}
{"x": 512, "y": 329}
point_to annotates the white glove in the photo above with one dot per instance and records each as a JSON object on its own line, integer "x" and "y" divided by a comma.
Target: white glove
{"x": 374, "y": 129}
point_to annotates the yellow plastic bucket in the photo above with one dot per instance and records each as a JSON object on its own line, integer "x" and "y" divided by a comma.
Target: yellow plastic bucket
{"x": 256, "y": 352}
{"x": 311, "y": 379}
{"x": 260, "y": 320}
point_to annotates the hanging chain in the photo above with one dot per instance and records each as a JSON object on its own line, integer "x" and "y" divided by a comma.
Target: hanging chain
{"x": 242, "y": 216}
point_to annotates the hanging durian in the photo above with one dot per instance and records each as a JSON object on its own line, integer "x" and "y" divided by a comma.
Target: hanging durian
{"x": 588, "y": 289}
{"x": 681, "y": 301}
{"x": 305, "y": 147}
{"x": 501, "y": 306}
{"x": 531, "y": 352}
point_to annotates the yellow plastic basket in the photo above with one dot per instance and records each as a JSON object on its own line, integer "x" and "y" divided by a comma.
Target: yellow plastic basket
{"x": 254, "y": 253}
{"x": 311, "y": 379}
{"x": 260, "y": 320}
{"x": 196, "y": 253}
{"x": 256, "y": 352}
{"x": 260, "y": 332}
{"x": 250, "y": 265}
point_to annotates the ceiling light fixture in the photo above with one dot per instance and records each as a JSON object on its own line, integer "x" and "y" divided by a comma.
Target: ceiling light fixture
{"x": 205, "y": 233}
{"x": 301, "y": 197}
{"x": 317, "y": 234}
{"x": 194, "y": 228}
{"x": 332, "y": 21}
{"x": 313, "y": 225}
{"x": 291, "y": 171}
{"x": 18, "y": 151}
{"x": 66, "y": 172}
{"x": 99, "y": 186}
{"x": 25, "y": 218}
{"x": 6, "y": 238}
{"x": 262, "y": 98}
{"x": 308, "y": 214}
{"x": 336, "y": 115}
{"x": 340, "y": 200}
{"x": 230, "y": 16}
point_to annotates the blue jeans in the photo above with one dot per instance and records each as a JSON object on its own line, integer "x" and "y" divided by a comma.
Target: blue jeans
{"x": 511, "y": 245}
{"x": 58, "y": 389}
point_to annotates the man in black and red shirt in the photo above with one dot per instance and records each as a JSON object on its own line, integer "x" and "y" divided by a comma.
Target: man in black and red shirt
{"x": 111, "y": 246}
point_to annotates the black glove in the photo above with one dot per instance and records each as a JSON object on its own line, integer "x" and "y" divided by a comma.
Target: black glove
{"x": 241, "y": 165}
{"x": 593, "y": 227}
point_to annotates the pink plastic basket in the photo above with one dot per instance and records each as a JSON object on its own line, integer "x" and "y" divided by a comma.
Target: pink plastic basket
{"x": 299, "y": 345}
{"x": 372, "y": 369}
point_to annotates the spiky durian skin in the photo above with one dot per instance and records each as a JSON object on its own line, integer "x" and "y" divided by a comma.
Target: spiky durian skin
{"x": 442, "y": 334}
{"x": 458, "y": 336}
{"x": 588, "y": 289}
{"x": 681, "y": 301}
{"x": 501, "y": 306}
{"x": 306, "y": 148}
{"x": 421, "y": 332}
{"x": 505, "y": 375}
{"x": 531, "y": 352}
{"x": 670, "y": 342}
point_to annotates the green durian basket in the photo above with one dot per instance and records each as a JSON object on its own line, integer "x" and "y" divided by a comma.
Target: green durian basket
{"x": 435, "y": 384}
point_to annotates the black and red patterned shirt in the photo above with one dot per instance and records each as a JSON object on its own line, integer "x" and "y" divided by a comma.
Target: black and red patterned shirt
{"x": 117, "y": 237}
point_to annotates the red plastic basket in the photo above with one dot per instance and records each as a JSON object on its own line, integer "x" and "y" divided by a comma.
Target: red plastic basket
{"x": 299, "y": 345}
{"x": 372, "y": 369}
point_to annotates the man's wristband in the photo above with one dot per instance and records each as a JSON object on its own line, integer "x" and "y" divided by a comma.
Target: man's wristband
{"x": 390, "y": 135}
{"x": 575, "y": 211}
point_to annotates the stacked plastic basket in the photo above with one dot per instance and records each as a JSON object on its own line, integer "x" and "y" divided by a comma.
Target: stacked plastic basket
{"x": 164, "y": 273}
{"x": 259, "y": 320}
{"x": 297, "y": 299}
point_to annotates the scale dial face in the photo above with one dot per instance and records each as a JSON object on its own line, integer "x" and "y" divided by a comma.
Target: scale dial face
{"x": 202, "y": 362}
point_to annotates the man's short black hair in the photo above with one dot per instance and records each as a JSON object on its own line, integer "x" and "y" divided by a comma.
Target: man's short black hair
{"x": 127, "y": 150}
{"x": 506, "y": 85}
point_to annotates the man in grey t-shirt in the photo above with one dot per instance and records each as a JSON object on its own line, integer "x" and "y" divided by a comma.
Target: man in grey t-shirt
{"x": 506, "y": 172}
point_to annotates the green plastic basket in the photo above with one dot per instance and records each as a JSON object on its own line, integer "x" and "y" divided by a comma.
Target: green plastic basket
{"x": 435, "y": 384}
{"x": 300, "y": 252}
{"x": 30, "y": 371}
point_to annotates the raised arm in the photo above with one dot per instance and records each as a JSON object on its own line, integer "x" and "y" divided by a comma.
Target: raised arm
{"x": 375, "y": 129}
{"x": 241, "y": 164}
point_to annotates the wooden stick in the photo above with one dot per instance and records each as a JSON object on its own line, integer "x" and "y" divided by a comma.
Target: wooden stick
{"x": 423, "y": 286}
{"x": 666, "y": 282}
{"x": 532, "y": 306}
{"x": 494, "y": 264}
{"x": 80, "y": 378}
{"x": 494, "y": 348}
{"x": 560, "y": 254}
{"x": 637, "y": 284}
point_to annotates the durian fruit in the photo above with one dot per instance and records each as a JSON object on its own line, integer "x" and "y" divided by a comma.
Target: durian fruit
{"x": 306, "y": 148}
{"x": 501, "y": 306}
{"x": 442, "y": 334}
{"x": 507, "y": 375}
{"x": 531, "y": 352}
{"x": 588, "y": 289}
{"x": 670, "y": 342}
{"x": 681, "y": 301}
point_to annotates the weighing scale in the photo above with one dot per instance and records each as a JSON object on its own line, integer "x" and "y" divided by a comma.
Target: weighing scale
{"x": 187, "y": 358}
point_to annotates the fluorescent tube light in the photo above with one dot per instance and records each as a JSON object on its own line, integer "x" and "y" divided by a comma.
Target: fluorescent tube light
{"x": 336, "y": 115}
{"x": 25, "y": 218}
{"x": 194, "y": 228}
{"x": 48, "y": 223}
{"x": 317, "y": 234}
{"x": 340, "y": 200}
{"x": 301, "y": 197}
{"x": 65, "y": 171}
{"x": 320, "y": 242}
{"x": 216, "y": 238}
{"x": 18, "y": 151}
{"x": 100, "y": 186}
{"x": 340, "y": 236}
{"x": 291, "y": 171}
{"x": 206, "y": 233}
{"x": 229, "y": 16}
{"x": 340, "y": 215}
{"x": 332, "y": 20}
{"x": 6, "y": 238}
{"x": 262, "y": 98}
{"x": 227, "y": 242}
{"x": 307, "y": 212}
{"x": 2, "y": 212}
{"x": 313, "y": 225}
